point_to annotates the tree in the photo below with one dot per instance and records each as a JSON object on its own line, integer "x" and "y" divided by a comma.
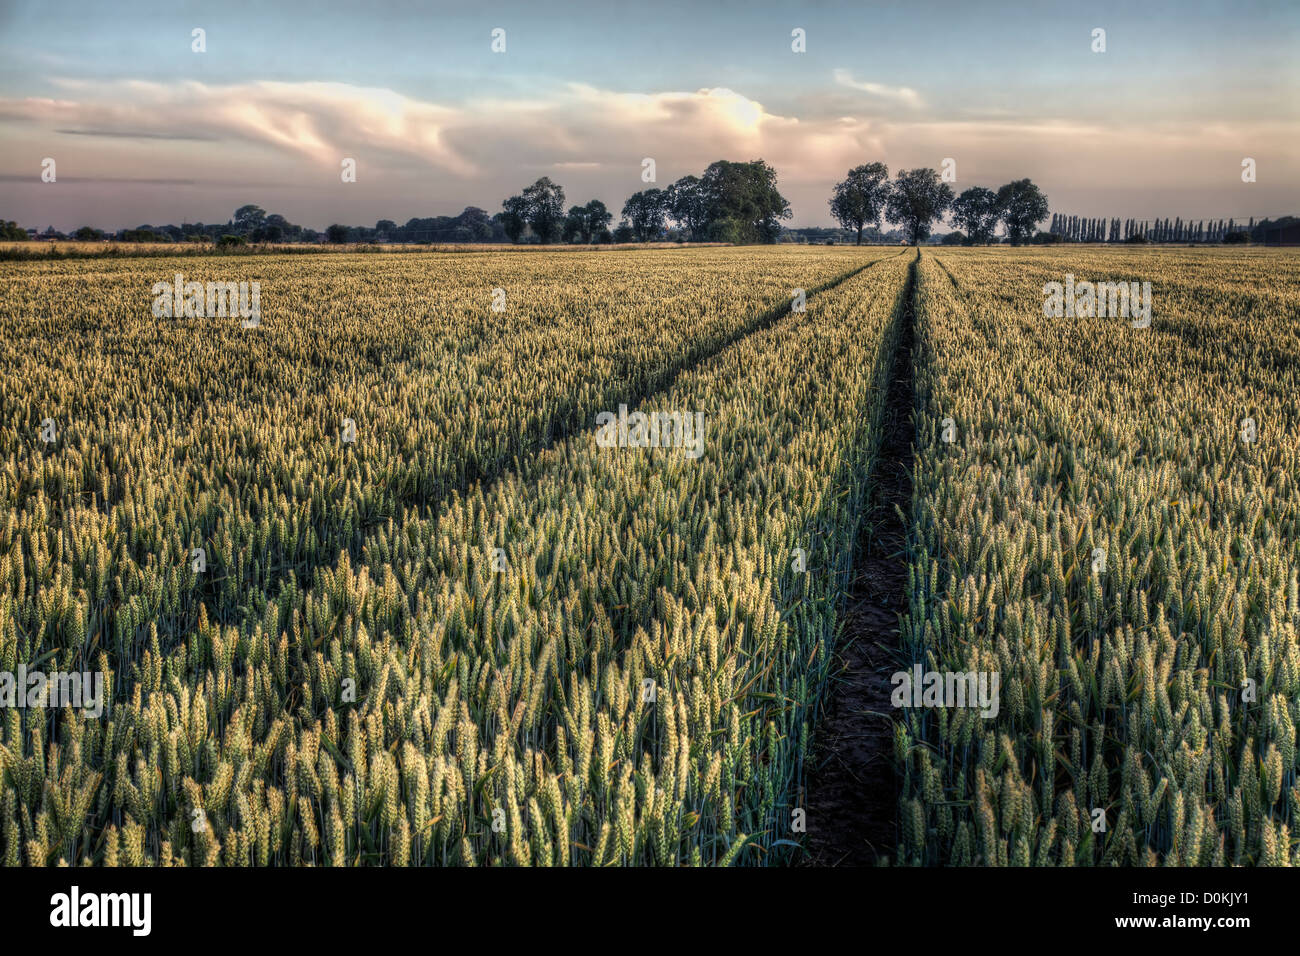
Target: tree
{"x": 686, "y": 205}
{"x": 587, "y": 224}
{"x": 645, "y": 212}
{"x": 545, "y": 209}
{"x": 337, "y": 233}
{"x": 624, "y": 232}
{"x": 1023, "y": 206}
{"x": 84, "y": 234}
{"x": 598, "y": 219}
{"x": 514, "y": 217}
{"x": 247, "y": 218}
{"x": 141, "y": 234}
{"x": 574, "y": 223}
{"x": 976, "y": 211}
{"x": 860, "y": 199}
{"x": 917, "y": 198}
{"x": 741, "y": 202}
{"x": 477, "y": 222}
{"x": 287, "y": 229}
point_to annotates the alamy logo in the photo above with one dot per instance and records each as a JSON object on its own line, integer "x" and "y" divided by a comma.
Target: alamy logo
{"x": 919, "y": 688}
{"x": 656, "y": 430}
{"x": 27, "y": 689}
{"x": 1107, "y": 300}
{"x": 134, "y": 910}
{"x": 215, "y": 299}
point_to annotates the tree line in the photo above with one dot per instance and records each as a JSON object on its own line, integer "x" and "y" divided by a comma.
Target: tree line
{"x": 251, "y": 224}
{"x": 1084, "y": 229}
{"x": 916, "y": 198}
{"x": 730, "y": 202}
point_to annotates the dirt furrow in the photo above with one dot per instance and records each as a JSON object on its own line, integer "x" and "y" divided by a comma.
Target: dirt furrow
{"x": 852, "y": 794}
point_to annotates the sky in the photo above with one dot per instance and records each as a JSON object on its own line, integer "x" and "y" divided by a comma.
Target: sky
{"x": 145, "y": 130}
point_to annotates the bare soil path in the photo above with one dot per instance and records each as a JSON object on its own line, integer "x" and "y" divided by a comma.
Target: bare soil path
{"x": 852, "y": 794}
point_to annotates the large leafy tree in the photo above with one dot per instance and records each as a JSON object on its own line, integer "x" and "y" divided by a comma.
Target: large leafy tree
{"x": 596, "y": 220}
{"x": 247, "y": 218}
{"x": 645, "y": 212}
{"x": 514, "y": 217}
{"x": 916, "y": 199}
{"x": 574, "y": 223}
{"x": 860, "y": 199}
{"x": 741, "y": 202}
{"x": 1023, "y": 207}
{"x": 687, "y": 205}
{"x": 587, "y": 224}
{"x": 977, "y": 212}
{"x": 287, "y": 230}
{"x": 476, "y": 222}
{"x": 545, "y": 209}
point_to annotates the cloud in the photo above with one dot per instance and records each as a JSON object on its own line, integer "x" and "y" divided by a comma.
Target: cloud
{"x": 724, "y": 111}
{"x": 572, "y": 126}
{"x": 899, "y": 94}
{"x": 592, "y": 140}
{"x": 323, "y": 121}
{"x": 136, "y": 134}
{"x": 116, "y": 180}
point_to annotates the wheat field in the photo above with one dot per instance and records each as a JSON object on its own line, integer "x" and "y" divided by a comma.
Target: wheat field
{"x": 369, "y": 584}
{"x": 1101, "y": 533}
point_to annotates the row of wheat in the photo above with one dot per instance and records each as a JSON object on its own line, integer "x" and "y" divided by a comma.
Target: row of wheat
{"x": 1108, "y": 517}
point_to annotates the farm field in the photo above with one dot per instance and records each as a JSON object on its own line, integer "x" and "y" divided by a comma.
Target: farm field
{"x": 1114, "y": 528}
{"x": 450, "y": 611}
{"x": 195, "y": 432}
